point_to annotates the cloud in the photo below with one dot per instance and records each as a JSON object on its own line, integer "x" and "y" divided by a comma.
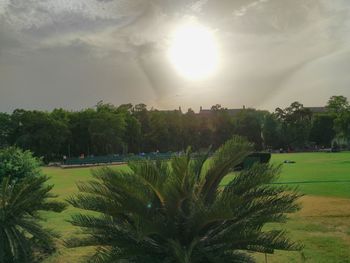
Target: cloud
{"x": 315, "y": 79}
{"x": 74, "y": 53}
{"x": 71, "y": 77}
{"x": 244, "y": 9}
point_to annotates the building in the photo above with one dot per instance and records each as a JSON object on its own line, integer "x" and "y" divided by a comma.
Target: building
{"x": 208, "y": 112}
{"x": 317, "y": 109}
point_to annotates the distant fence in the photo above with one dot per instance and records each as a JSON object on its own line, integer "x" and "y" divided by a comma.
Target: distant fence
{"x": 110, "y": 159}
{"x": 120, "y": 159}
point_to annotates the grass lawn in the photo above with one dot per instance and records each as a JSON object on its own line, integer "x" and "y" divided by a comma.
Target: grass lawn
{"x": 325, "y": 174}
{"x": 323, "y": 225}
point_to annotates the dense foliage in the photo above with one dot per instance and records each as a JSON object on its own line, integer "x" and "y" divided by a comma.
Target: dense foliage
{"x": 108, "y": 129}
{"x": 180, "y": 213}
{"x": 24, "y": 193}
{"x": 17, "y": 164}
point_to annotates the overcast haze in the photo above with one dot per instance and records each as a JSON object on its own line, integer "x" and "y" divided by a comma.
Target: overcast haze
{"x": 73, "y": 53}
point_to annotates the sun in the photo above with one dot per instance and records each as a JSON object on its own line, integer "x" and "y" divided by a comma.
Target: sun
{"x": 193, "y": 51}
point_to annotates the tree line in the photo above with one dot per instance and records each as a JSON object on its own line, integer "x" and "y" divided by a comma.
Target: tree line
{"x": 109, "y": 129}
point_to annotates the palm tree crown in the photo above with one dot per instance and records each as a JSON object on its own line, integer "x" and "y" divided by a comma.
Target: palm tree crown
{"x": 24, "y": 193}
{"x": 179, "y": 212}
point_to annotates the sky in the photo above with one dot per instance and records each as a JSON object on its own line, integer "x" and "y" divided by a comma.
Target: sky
{"x": 74, "y": 53}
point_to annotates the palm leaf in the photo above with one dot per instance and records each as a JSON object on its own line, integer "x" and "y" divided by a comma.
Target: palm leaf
{"x": 178, "y": 212}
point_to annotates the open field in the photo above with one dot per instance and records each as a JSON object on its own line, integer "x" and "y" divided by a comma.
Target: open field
{"x": 323, "y": 225}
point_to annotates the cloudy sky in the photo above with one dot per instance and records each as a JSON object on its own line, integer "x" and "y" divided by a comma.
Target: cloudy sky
{"x": 74, "y": 53}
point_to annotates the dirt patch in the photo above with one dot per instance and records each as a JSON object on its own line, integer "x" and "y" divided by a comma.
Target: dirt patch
{"x": 317, "y": 206}
{"x": 330, "y": 213}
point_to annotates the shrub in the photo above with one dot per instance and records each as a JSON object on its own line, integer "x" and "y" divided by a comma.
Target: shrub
{"x": 18, "y": 164}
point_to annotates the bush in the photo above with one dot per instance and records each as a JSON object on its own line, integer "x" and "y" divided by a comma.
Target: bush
{"x": 264, "y": 157}
{"x": 18, "y": 164}
{"x": 251, "y": 159}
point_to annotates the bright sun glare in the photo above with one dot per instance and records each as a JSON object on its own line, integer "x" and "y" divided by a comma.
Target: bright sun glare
{"x": 193, "y": 51}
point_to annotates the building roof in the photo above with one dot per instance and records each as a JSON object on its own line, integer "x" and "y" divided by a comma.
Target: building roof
{"x": 207, "y": 112}
{"x": 317, "y": 109}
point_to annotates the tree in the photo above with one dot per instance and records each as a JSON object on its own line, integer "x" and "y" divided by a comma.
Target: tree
{"x": 132, "y": 134}
{"x": 223, "y": 126}
{"x": 24, "y": 193}
{"x": 338, "y": 104}
{"x": 5, "y": 129}
{"x": 141, "y": 107}
{"x": 342, "y": 126}
{"x": 322, "y": 130}
{"x": 296, "y": 125}
{"x": 106, "y": 130}
{"x": 142, "y": 115}
{"x": 39, "y": 132}
{"x": 79, "y": 124}
{"x": 248, "y": 123}
{"x": 181, "y": 213}
{"x": 205, "y": 133}
{"x": 340, "y": 108}
{"x": 190, "y": 130}
{"x": 158, "y": 136}
{"x": 174, "y": 122}
{"x": 18, "y": 164}
{"x": 271, "y": 131}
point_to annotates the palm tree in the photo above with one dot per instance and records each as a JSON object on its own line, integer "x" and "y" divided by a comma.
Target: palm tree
{"x": 156, "y": 212}
{"x": 22, "y": 238}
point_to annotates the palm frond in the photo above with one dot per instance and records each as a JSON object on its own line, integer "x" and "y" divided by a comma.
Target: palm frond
{"x": 22, "y": 236}
{"x": 178, "y": 212}
{"x": 231, "y": 154}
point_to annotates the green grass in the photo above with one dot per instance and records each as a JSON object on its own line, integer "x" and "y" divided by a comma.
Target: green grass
{"x": 325, "y": 233}
{"x": 325, "y": 174}
{"x": 65, "y": 186}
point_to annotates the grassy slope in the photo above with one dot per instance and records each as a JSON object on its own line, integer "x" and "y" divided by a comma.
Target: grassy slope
{"x": 325, "y": 233}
